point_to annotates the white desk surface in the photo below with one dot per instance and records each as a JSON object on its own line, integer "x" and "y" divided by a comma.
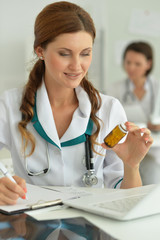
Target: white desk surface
{"x": 140, "y": 229}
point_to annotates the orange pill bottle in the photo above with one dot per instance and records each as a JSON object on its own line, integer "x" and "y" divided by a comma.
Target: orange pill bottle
{"x": 115, "y": 135}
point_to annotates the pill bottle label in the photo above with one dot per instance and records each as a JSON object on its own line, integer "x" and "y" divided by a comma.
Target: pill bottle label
{"x": 115, "y": 135}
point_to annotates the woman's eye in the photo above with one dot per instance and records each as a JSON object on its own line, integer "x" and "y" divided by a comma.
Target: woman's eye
{"x": 85, "y": 54}
{"x": 63, "y": 54}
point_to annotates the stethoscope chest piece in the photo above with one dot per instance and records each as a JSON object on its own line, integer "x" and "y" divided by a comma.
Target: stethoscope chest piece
{"x": 90, "y": 179}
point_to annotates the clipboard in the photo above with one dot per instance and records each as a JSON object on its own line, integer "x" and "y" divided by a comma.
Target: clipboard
{"x": 38, "y": 197}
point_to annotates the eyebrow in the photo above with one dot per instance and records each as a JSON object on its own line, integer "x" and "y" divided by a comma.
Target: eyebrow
{"x": 67, "y": 49}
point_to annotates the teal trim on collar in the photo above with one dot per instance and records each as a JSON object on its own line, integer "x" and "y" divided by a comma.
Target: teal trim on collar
{"x": 81, "y": 138}
{"x": 38, "y": 127}
{"x": 40, "y": 130}
{"x": 74, "y": 141}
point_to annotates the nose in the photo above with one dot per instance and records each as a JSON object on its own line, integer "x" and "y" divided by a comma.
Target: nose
{"x": 130, "y": 67}
{"x": 75, "y": 63}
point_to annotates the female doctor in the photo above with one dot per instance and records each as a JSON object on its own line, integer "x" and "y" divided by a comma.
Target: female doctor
{"x": 138, "y": 91}
{"x": 48, "y": 124}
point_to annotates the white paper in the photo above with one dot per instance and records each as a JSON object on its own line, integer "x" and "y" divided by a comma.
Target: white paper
{"x": 119, "y": 48}
{"x": 75, "y": 192}
{"x": 36, "y": 195}
{"x": 145, "y": 22}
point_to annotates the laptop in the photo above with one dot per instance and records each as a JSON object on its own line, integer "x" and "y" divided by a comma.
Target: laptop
{"x": 121, "y": 204}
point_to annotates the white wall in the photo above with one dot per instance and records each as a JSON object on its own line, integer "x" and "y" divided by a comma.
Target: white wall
{"x": 119, "y": 15}
{"x": 16, "y": 34}
{"x": 111, "y": 17}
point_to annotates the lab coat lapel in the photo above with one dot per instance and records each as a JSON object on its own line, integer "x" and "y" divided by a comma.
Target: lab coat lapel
{"x": 80, "y": 118}
{"x": 45, "y": 116}
{"x": 45, "y": 124}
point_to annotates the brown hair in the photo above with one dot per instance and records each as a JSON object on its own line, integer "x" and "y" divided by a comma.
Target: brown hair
{"x": 55, "y": 19}
{"x": 143, "y": 48}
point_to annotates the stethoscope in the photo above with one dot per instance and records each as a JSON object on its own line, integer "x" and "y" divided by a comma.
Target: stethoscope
{"x": 89, "y": 178}
{"x": 129, "y": 95}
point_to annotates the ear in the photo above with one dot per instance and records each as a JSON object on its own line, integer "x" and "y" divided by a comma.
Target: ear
{"x": 149, "y": 64}
{"x": 39, "y": 52}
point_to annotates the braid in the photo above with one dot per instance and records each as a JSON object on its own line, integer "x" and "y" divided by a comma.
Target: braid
{"x": 27, "y": 104}
{"x": 95, "y": 100}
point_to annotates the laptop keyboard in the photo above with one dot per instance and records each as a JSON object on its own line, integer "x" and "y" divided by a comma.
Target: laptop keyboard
{"x": 120, "y": 205}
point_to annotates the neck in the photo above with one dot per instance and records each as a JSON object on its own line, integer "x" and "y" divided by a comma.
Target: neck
{"x": 60, "y": 97}
{"x": 139, "y": 82}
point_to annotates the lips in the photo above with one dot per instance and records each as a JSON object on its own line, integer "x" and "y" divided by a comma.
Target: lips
{"x": 72, "y": 74}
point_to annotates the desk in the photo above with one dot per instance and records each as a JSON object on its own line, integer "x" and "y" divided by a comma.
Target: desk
{"x": 140, "y": 229}
{"x": 23, "y": 227}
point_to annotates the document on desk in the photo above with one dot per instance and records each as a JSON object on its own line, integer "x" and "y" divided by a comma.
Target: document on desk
{"x": 76, "y": 192}
{"x": 38, "y": 197}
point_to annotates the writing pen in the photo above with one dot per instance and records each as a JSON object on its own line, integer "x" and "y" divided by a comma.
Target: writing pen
{"x": 6, "y": 173}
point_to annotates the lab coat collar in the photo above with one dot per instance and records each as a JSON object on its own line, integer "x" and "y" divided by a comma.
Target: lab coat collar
{"x": 44, "y": 124}
{"x": 131, "y": 85}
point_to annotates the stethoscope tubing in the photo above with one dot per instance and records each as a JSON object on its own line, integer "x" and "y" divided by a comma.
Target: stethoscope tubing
{"x": 89, "y": 154}
{"x": 88, "y": 161}
{"x": 129, "y": 93}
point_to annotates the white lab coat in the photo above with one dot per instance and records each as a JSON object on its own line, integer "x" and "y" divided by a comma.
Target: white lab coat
{"x": 138, "y": 111}
{"x": 66, "y": 163}
{"x": 141, "y": 112}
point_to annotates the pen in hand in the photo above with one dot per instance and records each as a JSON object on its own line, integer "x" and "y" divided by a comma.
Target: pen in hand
{"x": 7, "y": 174}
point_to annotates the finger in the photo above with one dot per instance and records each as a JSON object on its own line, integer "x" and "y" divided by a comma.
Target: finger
{"x": 105, "y": 146}
{"x": 131, "y": 127}
{"x": 135, "y": 131}
{"x": 145, "y": 131}
{"x": 129, "y": 124}
{"x": 148, "y": 144}
{"x": 5, "y": 200}
{"x": 18, "y": 190}
{"x": 21, "y": 182}
{"x": 138, "y": 131}
{"x": 11, "y": 189}
{"x": 6, "y": 195}
{"x": 149, "y": 141}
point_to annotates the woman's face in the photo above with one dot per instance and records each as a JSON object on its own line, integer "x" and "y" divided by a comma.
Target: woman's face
{"x": 136, "y": 65}
{"x": 67, "y": 59}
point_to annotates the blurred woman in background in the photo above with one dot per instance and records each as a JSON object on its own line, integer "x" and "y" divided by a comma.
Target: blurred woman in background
{"x": 138, "y": 94}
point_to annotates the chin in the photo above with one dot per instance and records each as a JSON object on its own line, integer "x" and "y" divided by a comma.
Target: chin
{"x": 73, "y": 84}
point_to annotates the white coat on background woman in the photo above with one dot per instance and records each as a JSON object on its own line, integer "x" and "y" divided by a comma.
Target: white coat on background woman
{"x": 139, "y": 94}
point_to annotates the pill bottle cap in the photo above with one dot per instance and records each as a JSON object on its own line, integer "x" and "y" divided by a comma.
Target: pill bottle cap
{"x": 123, "y": 128}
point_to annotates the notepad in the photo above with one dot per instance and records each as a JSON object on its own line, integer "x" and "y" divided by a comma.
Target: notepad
{"x": 38, "y": 197}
